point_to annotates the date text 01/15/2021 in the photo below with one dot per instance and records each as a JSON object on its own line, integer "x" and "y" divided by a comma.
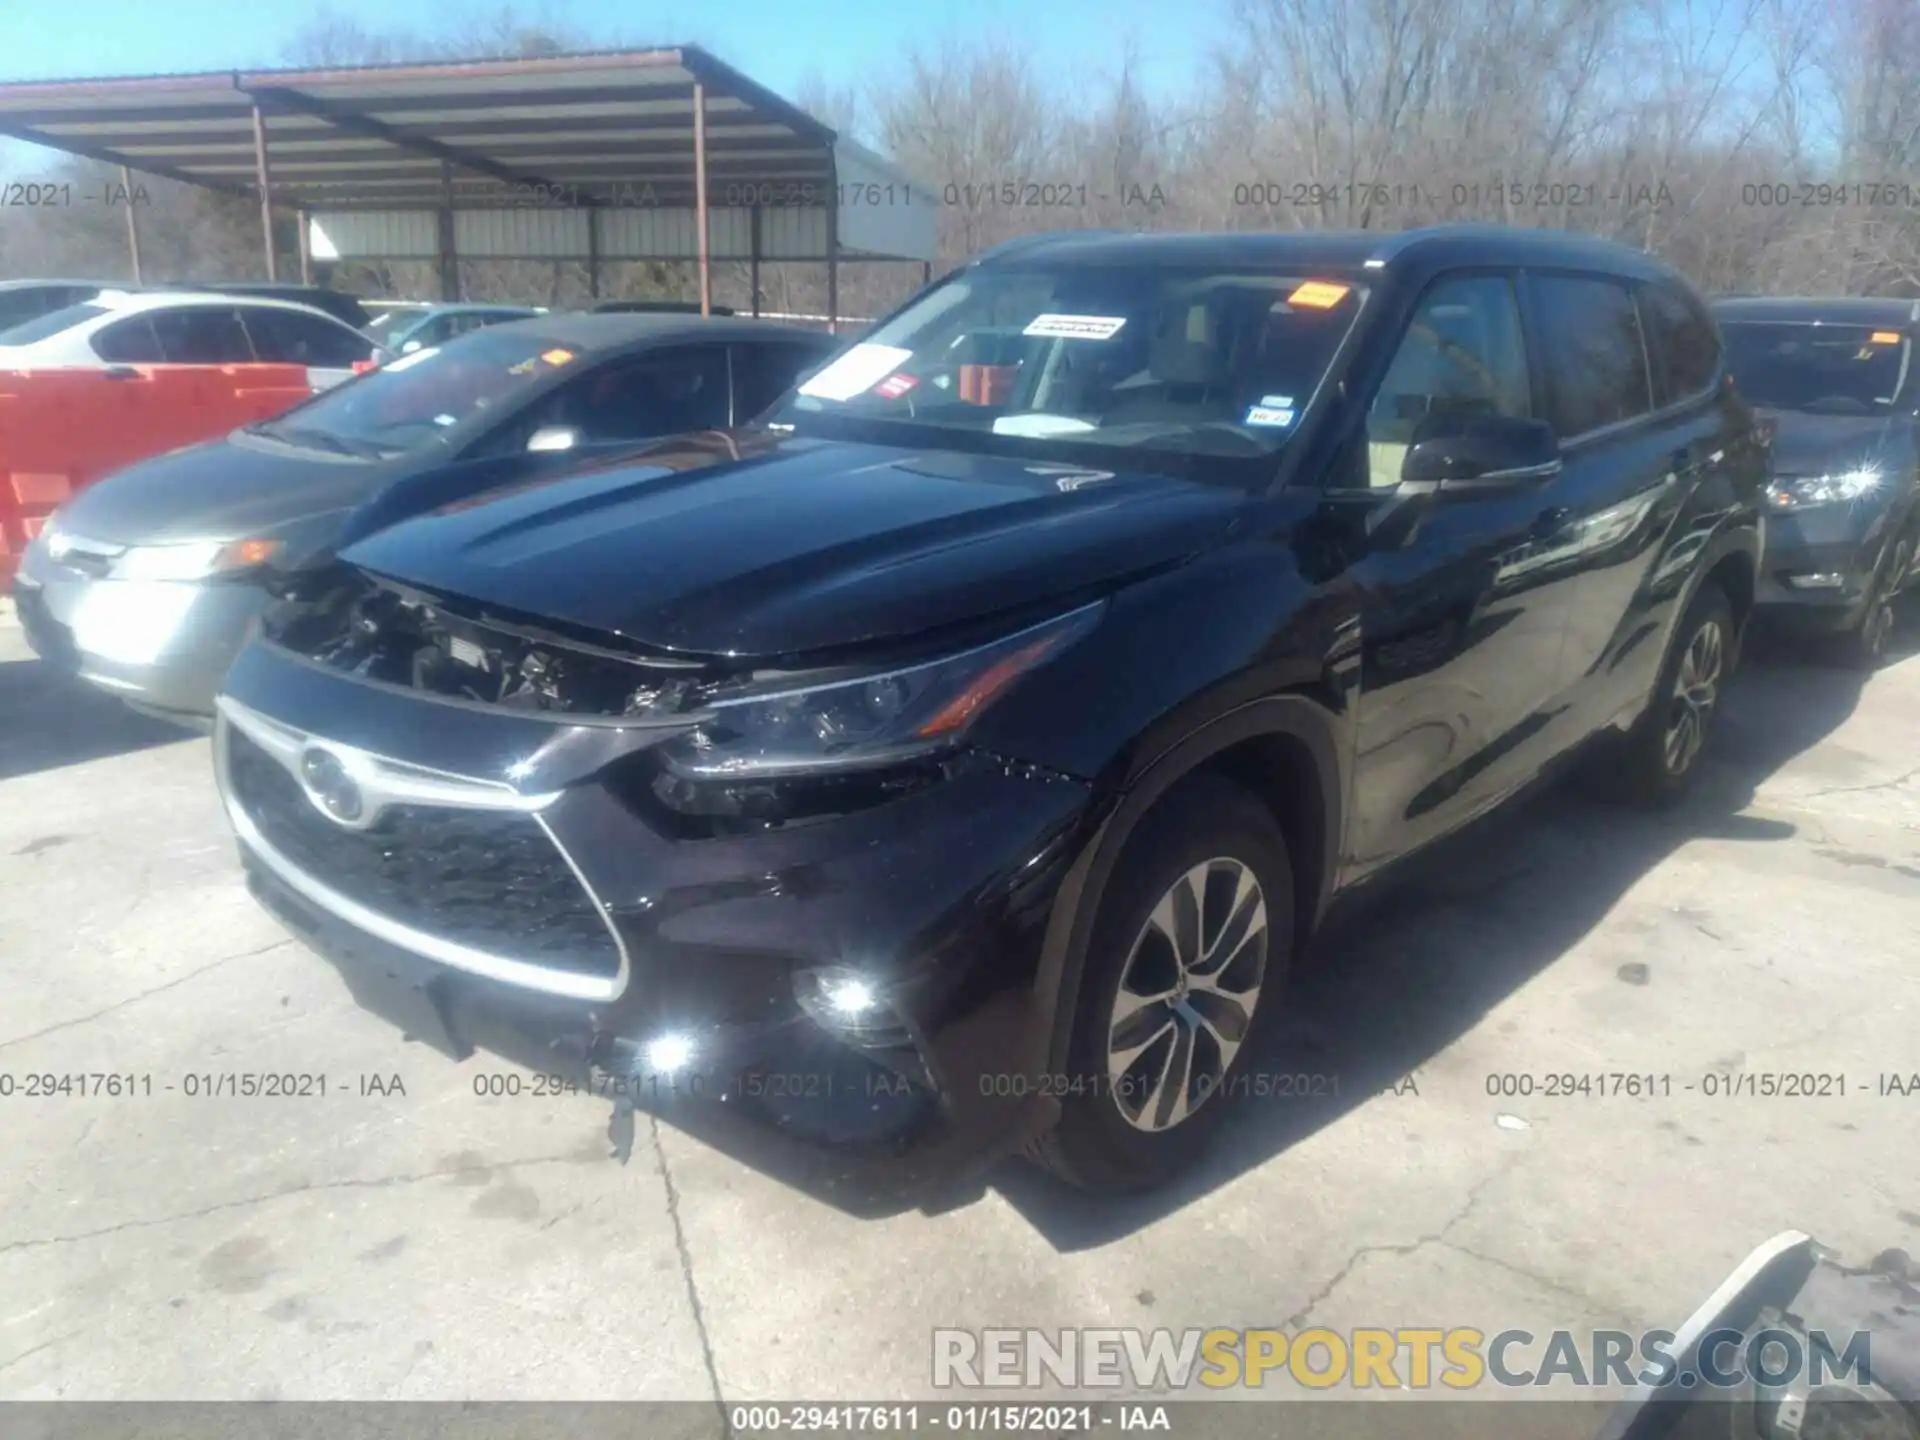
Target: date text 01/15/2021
{"x": 963, "y": 1419}
{"x": 61, "y": 194}
{"x": 196, "y": 1085}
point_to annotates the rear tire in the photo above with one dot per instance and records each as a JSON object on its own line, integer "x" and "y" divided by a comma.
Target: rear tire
{"x": 1662, "y": 751}
{"x": 1864, "y": 647}
{"x": 1185, "y": 968}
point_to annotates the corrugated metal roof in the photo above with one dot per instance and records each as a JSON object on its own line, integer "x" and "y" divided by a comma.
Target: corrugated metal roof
{"x": 597, "y": 128}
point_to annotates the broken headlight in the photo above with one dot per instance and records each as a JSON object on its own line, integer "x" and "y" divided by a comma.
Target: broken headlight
{"x": 860, "y": 723}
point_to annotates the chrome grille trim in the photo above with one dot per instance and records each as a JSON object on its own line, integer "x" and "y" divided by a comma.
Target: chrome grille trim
{"x": 397, "y": 782}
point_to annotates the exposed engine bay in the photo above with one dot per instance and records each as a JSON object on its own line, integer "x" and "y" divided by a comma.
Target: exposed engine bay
{"x": 384, "y": 631}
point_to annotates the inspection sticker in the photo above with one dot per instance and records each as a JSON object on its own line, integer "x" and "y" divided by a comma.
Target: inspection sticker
{"x": 1268, "y": 415}
{"x": 896, "y": 385}
{"x": 861, "y": 368}
{"x": 556, "y": 357}
{"x": 1076, "y": 327}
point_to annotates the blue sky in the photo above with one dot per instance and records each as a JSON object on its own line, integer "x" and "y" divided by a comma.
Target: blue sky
{"x": 775, "y": 41}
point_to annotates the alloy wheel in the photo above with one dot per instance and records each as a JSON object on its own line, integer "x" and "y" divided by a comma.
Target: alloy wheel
{"x": 1187, "y": 994}
{"x": 1696, "y": 689}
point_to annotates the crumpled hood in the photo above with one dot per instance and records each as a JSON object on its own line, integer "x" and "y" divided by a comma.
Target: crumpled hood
{"x": 760, "y": 545}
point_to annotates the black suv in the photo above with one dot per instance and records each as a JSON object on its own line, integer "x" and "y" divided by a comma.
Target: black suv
{"x": 1837, "y": 379}
{"x": 954, "y": 761}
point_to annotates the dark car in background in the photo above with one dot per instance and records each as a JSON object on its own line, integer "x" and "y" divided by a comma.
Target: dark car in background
{"x": 404, "y": 332}
{"x": 657, "y": 307}
{"x": 144, "y": 584}
{"x": 24, "y": 300}
{"x": 1838, "y": 379}
{"x": 336, "y": 303}
{"x": 954, "y": 762}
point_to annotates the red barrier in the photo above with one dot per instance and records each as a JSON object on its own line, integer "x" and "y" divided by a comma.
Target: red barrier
{"x": 60, "y": 430}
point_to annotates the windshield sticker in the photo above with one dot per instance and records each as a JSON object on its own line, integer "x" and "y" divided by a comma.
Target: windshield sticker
{"x": 861, "y": 368}
{"x": 525, "y": 367}
{"x": 1318, "y": 295}
{"x": 1278, "y": 402}
{"x": 407, "y": 362}
{"x": 556, "y": 357}
{"x": 1076, "y": 327}
{"x": 1274, "y": 415}
{"x": 1040, "y": 426}
{"x": 1886, "y": 337}
{"x": 896, "y": 385}
{"x": 446, "y": 419}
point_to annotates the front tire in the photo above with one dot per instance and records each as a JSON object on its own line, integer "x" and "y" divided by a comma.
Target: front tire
{"x": 1865, "y": 646}
{"x": 1663, "y": 750}
{"x": 1188, "y": 955}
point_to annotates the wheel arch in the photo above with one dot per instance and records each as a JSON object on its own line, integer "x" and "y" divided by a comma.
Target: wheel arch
{"x": 1281, "y": 749}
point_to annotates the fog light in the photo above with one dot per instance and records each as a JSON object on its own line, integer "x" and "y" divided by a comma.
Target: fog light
{"x": 851, "y": 1005}
{"x": 1817, "y": 580}
{"x": 667, "y": 1053}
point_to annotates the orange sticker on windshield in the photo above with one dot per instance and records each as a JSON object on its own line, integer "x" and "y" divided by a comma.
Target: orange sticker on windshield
{"x": 1886, "y": 337}
{"x": 556, "y": 357}
{"x": 1318, "y": 295}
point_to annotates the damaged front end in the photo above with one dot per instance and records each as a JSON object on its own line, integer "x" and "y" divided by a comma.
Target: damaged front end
{"x": 787, "y": 892}
{"x": 394, "y": 634}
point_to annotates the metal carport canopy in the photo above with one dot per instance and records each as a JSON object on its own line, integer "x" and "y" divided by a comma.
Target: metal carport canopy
{"x": 652, "y": 154}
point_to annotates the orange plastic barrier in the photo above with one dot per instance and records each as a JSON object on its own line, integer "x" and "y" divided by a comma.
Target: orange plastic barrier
{"x": 60, "y": 430}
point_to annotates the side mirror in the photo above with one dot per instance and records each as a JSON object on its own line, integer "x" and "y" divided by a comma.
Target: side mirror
{"x": 553, "y": 437}
{"x": 1466, "y": 453}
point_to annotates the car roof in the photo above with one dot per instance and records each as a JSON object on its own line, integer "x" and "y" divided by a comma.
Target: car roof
{"x": 1813, "y": 309}
{"x": 597, "y": 330}
{"x": 135, "y": 301}
{"x": 1433, "y": 246}
{"x": 63, "y": 284}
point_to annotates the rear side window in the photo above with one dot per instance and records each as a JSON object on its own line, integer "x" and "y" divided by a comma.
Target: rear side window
{"x": 289, "y": 338}
{"x": 130, "y": 342}
{"x": 203, "y": 335}
{"x": 1682, "y": 339}
{"x": 1596, "y": 359}
{"x": 51, "y": 323}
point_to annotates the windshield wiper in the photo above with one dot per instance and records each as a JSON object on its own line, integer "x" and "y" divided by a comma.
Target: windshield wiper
{"x": 320, "y": 440}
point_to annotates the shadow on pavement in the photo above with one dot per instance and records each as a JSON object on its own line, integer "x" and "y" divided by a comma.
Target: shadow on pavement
{"x": 1420, "y": 960}
{"x": 48, "y": 720}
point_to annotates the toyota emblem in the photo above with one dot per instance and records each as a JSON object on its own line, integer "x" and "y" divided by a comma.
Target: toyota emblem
{"x": 334, "y": 792}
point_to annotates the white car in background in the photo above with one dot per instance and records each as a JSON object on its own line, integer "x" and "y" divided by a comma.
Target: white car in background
{"x": 184, "y": 327}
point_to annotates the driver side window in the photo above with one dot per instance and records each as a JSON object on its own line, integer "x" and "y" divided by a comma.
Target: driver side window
{"x": 1463, "y": 353}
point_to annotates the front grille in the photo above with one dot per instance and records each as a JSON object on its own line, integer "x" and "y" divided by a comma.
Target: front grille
{"x": 489, "y": 880}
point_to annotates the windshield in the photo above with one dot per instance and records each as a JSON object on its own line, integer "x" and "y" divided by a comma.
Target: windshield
{"x": 1825, "y": 369}
{"x": 51, "y": 323}
{"x": 415, "y": 400}
{"x": 1166, "y": 363}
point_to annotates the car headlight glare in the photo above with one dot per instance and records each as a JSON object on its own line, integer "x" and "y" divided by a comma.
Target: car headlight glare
{"x": 193, "y": 560}
{"x": 865, "y": 721}
{"x": 1800, "y": 492}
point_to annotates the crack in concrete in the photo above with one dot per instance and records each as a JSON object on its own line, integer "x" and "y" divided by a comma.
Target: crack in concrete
{"x": 1893, "y": 784}
{"x": 43, "y": 1345}
{"x": 686, "y": 1276}
{"x": 143, "y": 995}
{"x": 1437, "y": 1237}
{"x": 378, "y": 1182}
{"x": 1545, "y": 1282}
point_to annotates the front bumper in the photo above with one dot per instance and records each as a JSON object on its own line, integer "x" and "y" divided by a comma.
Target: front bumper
{"x": 941, "y": 898}
{"x": 162, "y": 647}
{"x": 1839, "y": 541}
